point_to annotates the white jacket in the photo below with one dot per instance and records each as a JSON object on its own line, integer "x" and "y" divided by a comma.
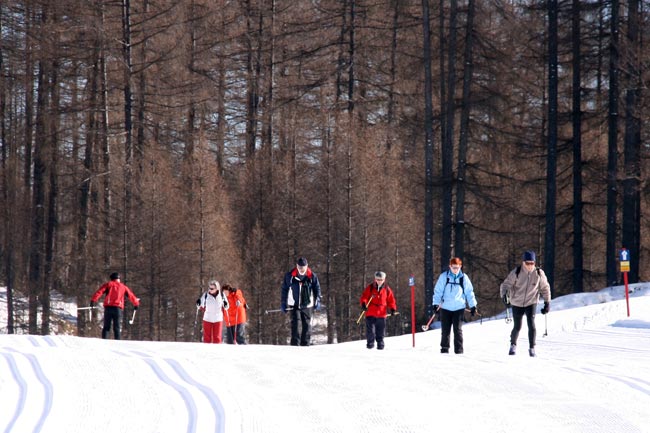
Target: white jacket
{"x": 212, "y": 304}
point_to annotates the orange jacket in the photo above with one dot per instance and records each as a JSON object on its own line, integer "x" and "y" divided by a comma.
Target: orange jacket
{"x": 115, "y": 292}
{"x": 235, "y": 314}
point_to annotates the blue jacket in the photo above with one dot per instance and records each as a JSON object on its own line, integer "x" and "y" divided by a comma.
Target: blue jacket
{"x": 451, "y": 296}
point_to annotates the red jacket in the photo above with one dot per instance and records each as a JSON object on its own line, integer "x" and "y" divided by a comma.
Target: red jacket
{"x": 235, "y": 315}
{"x": 380, "y": 299}
{"x": 115, "y": 292}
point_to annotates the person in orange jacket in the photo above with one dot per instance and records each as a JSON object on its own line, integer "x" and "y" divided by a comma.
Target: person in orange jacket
{"x": 376, "y": 300}
{"x": 235, "y": 315}
{"x": 115, "y": 292}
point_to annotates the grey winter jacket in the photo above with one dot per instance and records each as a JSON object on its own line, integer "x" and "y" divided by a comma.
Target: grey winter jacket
{"x": 524, "y": 289}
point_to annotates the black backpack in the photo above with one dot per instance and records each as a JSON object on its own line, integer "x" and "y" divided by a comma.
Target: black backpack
{"x": 462, "y": 286}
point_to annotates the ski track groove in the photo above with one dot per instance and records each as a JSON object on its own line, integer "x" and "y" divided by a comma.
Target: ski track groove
{"x": 186, "y": 396}
{"x": 22, "y": 386}
{"x": 42, "y": 378}
{"x": 211, "y": 396}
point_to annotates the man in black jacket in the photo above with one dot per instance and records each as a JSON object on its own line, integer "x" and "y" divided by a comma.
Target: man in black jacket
{"x": 300, "y": 296}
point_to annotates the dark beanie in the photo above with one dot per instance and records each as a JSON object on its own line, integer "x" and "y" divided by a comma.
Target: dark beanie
{"x": 529, "y": 256}
{"x": 302, "y": 261}
{"x": 115, "y": 276}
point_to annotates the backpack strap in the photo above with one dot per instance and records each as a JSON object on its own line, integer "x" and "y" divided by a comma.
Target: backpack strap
{"x": 462, "y": 287}
{"x": 518, "y": 269}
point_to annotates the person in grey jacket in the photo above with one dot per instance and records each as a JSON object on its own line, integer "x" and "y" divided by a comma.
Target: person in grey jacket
{"x": 522, "y": 289}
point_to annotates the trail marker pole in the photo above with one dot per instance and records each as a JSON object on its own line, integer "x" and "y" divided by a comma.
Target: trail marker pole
{"x": 624, "y": 260}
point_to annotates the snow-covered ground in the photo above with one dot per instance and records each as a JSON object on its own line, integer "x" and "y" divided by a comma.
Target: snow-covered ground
{"x": 592, "y": 374}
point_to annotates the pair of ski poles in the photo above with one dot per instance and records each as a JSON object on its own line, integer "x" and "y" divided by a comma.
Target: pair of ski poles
{"x": 509, "y": 315}
{"x": 91, "y": 313}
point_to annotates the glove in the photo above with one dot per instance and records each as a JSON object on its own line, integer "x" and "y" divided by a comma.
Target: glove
{"x": 246, "y": 306}
{"x": 436, "y": 308}
{"x": 238, "y": 303}
{"x": 92, "y": 304}
{"x": 135, "y": 308}
{"x": 506, "y": 300}
{"x": 547, "y": 307}
{"x": 393, "y": 311}
{"x": 472, "y": 311}
{"x": 317, "y": 304}
{"x": 283, "y": 307}
{"x": 364, "y": 307}
{"x": 226, "y": 305}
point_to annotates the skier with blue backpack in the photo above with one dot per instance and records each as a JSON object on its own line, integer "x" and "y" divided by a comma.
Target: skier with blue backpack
{"x": 452, "y": 293}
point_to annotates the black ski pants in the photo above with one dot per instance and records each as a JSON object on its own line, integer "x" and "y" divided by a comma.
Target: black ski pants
{"x": 112, "y": 314}
{"x": 235, "y": 332}
{"x": 449, "y": 319}
{"x": 304, "y": 338}
{"x": 517, "y": 316}
{"x": 375, "y": 330}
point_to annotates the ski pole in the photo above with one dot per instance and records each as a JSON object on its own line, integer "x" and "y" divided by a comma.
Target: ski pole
{"x": 196, "y": 318}
{"x": 234, "y": 332}
{"x": 506, "y": 301}
{"x": 545, "y": 325}
{"x": 426, "y": 327}
{"x": 132, "y": 317}
{"x": 364, "y": 310}
{"x": 90, "y": 310}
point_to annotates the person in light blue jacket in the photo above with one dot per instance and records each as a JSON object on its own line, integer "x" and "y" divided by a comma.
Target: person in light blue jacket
{"x": 452, "y": 293}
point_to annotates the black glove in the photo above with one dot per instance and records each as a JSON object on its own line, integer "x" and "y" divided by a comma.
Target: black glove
{"x": 92, "y": 304}
{"x": 364, "y": 307}
{"x": 283, "y": 308}
{"x": 472, "y": 311}
{"x": 506, "y": 300}
{"x": 393, "y": 311}
{"x": 436, "y": 308}
{"x": 547, "y": 307}
{"x": 135, "y": 308}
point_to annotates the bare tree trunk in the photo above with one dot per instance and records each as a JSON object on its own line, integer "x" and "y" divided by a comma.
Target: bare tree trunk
{"x": 390, "y": 115}
{"x": 53, "y": 191}
{"x": 428, "y": 160}
{"x": 464, "y": 132}
{"x": 448, "y": 144}
{"x": 252, "y": 82}
{"x": 87, "y": 181}
{"x": 128, "y": 133}
{"x": 551, "y": 160}
{"x": 576, "y": 116}
{"x": 107, "y": 205}
{"x": 632, "y": 147}
{"x": 9, "y": 185}
{"x": 612, "y": 146}
{"x": 37, "y": 241}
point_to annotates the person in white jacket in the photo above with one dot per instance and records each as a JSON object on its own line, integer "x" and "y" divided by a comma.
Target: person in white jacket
{"x": 211, "y": 304}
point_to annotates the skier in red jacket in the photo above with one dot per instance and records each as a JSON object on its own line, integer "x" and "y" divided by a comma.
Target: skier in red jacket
{"x": 376, "y": 300}
{"x": 115, "y": 292}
